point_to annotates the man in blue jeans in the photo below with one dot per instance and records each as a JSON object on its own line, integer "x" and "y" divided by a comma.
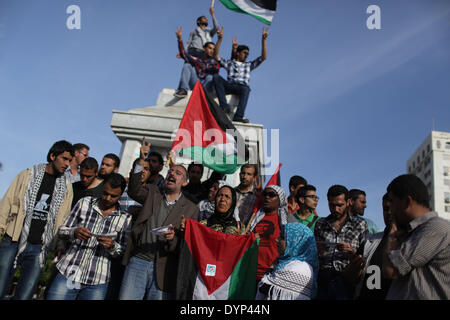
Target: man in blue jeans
{"x": 35, "y": 205}
{"x": 238, "y": 75}
{"x": 194, "y": 47}
{"x": 96, "y": 229}
{"x": 151, "y": 255}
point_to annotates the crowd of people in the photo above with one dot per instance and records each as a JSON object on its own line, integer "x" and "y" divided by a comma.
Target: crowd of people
{"x": 118, "y": 238}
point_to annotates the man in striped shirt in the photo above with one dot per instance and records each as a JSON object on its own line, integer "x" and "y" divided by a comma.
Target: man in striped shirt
{"x": 417, "y": 251}
{"x": 97, "y": 228}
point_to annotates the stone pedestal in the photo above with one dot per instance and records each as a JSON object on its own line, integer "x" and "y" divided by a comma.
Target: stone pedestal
{"x": 159, "y": 124}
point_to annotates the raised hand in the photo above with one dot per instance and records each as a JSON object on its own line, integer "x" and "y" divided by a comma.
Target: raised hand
{"x": 179, "y": 33}
{"x": 235, "y": 43}
{"x": 211, "y": 10}
{"x": 265, "y": 33}
{"x": 220, "y": 33}
{"x": 145, "y": 149}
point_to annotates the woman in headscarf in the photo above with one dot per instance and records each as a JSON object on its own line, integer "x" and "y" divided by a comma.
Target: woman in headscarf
{"x": 268, "y": 223}
{"x": 295, "y": 274}
{"x": 223, "y": 219}
{"x": 207, "y": 206}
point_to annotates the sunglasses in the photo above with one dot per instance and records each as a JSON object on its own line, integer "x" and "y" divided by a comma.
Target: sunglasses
{"x": 203, "y": 24}
{"x": 270, "y": 194}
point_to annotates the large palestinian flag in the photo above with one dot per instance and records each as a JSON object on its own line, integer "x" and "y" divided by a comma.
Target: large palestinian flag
{"x": 216, "y": 266}
{"x": 263, "y": 10}
{"x": 207, "y": 136}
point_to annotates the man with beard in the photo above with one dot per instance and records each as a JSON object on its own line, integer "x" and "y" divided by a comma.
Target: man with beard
{"x": 151, "y": 255}
{"x": 85, "y": 187}
{"x": 81, "y": 152}
{"x": 194, "y": 191}
{"x": 34, "y": 207}
{"x": 357, "y": 204}
{"x": 417, "y": 252}
{"x": 96, "y": 229}
{"x": 110, "y": 164}
{"x": 246, "y": 191}
{"x": 338, "y": 237}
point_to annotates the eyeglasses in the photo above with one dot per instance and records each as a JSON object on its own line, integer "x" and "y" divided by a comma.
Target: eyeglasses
{"x": 312, "y": 197}
{"x": 84, "y": 154}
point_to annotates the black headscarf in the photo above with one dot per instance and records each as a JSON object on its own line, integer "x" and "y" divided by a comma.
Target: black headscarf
{"x": 224, "y": 219}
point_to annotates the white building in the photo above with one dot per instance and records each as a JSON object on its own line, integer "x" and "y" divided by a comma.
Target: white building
{"x": 431, "y": 163}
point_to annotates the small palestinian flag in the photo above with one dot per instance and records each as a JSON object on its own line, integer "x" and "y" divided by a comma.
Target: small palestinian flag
{"x": 274, "y": 180}
{"x": 263, "y": 10}
{"x": 207, "y": 136}
{"x": 216, "y": 266}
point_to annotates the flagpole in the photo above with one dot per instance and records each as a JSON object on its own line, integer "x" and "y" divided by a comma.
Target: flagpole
{"x": 212, "y": 4}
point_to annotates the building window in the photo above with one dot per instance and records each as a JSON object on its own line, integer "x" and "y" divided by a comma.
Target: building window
{"x": 414, "y": 164}
{"x": 423, "y": 154}
{"x": 428, "y": 148}
{"x": 447, "y": 182}
{"x": 438, "y": 144}
{"x": 409, "y": 169}
{"x": 447, "y": 208}
{"x": 427, "y": 174}
{"x": 447, "y": 145}
{"x": 447, "y": 197}
{"x": 446, "y": 171}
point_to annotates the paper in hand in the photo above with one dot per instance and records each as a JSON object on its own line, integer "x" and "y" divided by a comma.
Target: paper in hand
{"x": 159, "y": 231}
{"x": 111, "y": 235}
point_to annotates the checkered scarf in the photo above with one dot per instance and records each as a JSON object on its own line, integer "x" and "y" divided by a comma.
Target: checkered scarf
{"x": 282, "y": 210}
{"x": 59, "y": 192}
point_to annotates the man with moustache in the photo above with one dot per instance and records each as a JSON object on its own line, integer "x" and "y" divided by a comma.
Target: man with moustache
{"x": 152, "y": 258}
{"x": 110, "y": 164}
{"x": 85, "y": 187}
{"x": 246, "y": 191}
{"x": 357, "y": 204}
{"x": 338, "y": 237}
{"x": 370, "y": 254}
{"x": 417, "y": 252}
{"x": 81, "y": 152}
{"x": 34, "y": 207}
{"x": 96, "y": 229}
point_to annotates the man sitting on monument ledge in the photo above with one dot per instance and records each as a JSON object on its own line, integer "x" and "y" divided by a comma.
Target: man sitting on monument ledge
{"x": 205, "y": 67}
{"x": 238, "y": 75}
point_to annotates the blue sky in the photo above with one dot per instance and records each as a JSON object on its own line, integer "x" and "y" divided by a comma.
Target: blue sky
{"x": 352, "y": 104}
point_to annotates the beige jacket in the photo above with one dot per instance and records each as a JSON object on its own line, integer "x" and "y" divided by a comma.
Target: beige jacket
{"x": 12, "y": 208}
